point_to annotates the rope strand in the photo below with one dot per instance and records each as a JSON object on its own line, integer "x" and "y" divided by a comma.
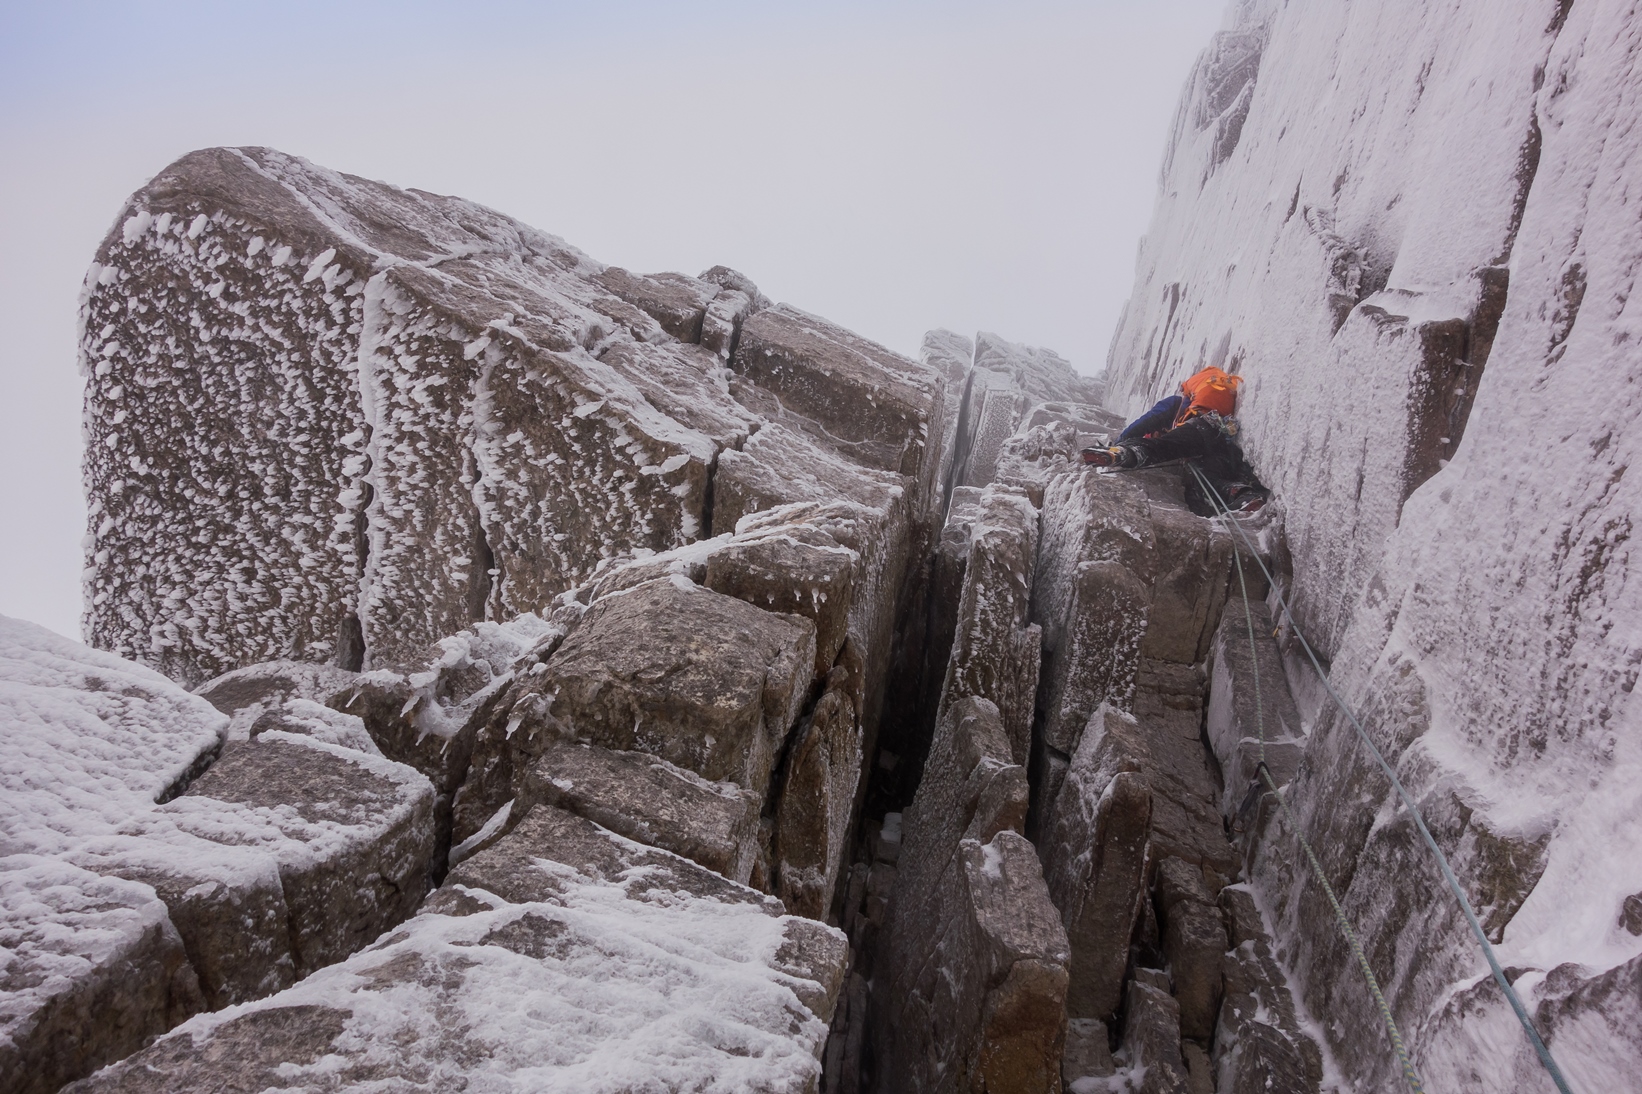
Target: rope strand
{"x": 1544, "y": 1053}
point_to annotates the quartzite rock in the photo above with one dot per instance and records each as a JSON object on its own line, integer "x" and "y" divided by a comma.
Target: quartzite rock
{"x": 93, "y": 968}
{"x": 602, "y": 942}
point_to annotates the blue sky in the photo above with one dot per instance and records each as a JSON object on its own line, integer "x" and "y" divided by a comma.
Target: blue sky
{"x": 893, "y": 166}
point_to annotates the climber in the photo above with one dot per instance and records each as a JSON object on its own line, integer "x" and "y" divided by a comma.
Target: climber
{"x": 1198, "y": 424}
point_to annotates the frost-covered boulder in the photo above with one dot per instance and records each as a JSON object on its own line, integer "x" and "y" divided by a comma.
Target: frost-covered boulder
{"x": 332, "y": 420}
{"x": 90, "y": 968}
{"x": 187, "y": 873}
{"x": 995, "y": 650}
{"x": 564, "y": 957}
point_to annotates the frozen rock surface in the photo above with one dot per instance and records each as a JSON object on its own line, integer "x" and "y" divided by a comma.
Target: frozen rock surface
{"x": 563, "y": 958}
{"x": 1406, "y": 338}
{"x": 153, "y": 871}
{"x": 92, "y": 968}
{"x": 403, "y": 413}
{"x": 976, "y": 955}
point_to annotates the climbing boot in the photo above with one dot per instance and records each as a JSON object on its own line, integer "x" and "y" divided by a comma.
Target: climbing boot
{"x": 1241, "y": 498}
{"x": 1116, "y": 456}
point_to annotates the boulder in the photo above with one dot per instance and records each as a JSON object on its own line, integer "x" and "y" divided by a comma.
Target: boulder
{"x": 677, "y": 302}
{"x": 1190, "y": 572}
{"x": 707, "y": 682}
{"x": 995, "y": 406}
{"x": 1240, "y": 718}
{"x": 1193, "y": 942}
{"x": 1258, "y": 1042}
{"x": 878, "y": 408}
{"x": 1186, "y": 820}
{"x": 783, "y": 573}
{"x": 974, "y": 965}
{"x": 288, "y": 854}
{"x": 632, "y": 968}
{"x": 952, "y": 355}
{"x": 781, "y": 465}
{"x": 1042, "y": 374}
{"x": 248, "y": 693}
{"x": 404, "y": 377}
{"x": 92, "y": 969}
{"x": 1151, "y": 1040}
{"x": 649, "y": 800}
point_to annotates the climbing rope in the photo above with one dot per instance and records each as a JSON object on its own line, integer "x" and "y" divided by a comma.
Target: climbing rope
{"x": 1544, "y": 1053}
{"x": 1409, "y": 1074}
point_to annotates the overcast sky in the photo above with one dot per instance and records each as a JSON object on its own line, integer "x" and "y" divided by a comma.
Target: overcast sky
{"x": 892, "y": 166}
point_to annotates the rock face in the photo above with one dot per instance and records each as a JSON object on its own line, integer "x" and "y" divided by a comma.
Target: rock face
{"x": 1469, "y": 603}
{"x": 421, "y": 414}
{"x": 977, "y": 956}
{"x": 562, "y": 957}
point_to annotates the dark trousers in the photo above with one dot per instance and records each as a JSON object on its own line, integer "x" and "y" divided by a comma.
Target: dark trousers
{"x": 1202, "y": 440}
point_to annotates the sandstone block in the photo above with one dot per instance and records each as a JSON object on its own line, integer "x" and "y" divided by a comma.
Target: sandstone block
{"x": 975, "y": 959}
{"x": 1236, "y": 722}
{"x": 649, "y": 800}
{"x": 354, "y": 835}
{"x": 93, "y": 968}
{"x": 783, "y": 574}
{"x": 248, "y": 693}
{"x": 1190, "y": 572}
{"x": 995, "y": 650}
{"x": 780, "y": 465}
{"x": 704, "y": 681}
{"x": 1151, "y": 1040}
{"x": 673, "y": 300}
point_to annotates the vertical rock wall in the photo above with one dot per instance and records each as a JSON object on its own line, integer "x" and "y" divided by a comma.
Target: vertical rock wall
{"x": 1409, "y": 226}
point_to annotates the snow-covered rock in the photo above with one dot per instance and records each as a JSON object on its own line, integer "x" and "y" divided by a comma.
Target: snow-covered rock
{"x": 564, "y": 958}
{"x": 1412, "y": 228}
{"x": 338, "y": 421}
